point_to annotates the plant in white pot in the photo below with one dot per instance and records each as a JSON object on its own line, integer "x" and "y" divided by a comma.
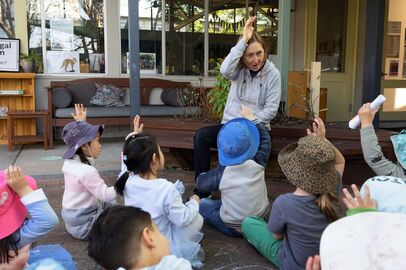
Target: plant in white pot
{"x": 31, "y": 62}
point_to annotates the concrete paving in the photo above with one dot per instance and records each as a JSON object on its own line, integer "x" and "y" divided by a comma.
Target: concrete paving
{"x": 222, "y": 252}
{"x": 42, "y": 163}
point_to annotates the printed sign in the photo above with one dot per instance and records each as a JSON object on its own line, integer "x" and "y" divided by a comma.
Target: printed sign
{"x": 9, "y": 54}
{"x": 63, "y": 62}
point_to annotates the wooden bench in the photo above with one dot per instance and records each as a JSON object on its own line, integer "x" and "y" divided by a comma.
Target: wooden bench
{"x": 146, "y": 84}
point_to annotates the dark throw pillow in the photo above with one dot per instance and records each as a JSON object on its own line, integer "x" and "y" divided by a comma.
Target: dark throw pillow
{"x": 108, "y": 95}
{"x": 174, "y": 97}
{"x": 82, "y": 92}
{"x": 61, "y": 98}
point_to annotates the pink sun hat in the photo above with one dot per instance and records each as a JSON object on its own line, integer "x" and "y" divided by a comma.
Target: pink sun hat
{"x": 12, "y": 211}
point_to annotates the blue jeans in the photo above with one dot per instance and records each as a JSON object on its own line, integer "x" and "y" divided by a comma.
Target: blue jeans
{"x": 210, "y": 210}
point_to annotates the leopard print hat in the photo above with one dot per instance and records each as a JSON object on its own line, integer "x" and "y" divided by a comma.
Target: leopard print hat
{"x": 309, "y": 165}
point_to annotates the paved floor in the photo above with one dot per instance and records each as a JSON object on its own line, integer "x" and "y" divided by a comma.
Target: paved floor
{"x": 222, "y": 252}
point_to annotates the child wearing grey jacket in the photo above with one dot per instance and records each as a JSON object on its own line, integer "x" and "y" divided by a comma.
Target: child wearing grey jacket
{"x": 372, "y": 151}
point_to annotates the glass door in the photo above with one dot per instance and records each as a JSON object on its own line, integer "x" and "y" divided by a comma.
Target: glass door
{"x": 393, "y": 84}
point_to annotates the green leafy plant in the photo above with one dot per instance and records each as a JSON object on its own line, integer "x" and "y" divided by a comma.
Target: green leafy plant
{"x": 217, "y": 97}
{"x": 34, "y": 60}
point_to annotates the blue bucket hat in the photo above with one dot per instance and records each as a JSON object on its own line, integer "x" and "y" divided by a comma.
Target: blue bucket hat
{"x": 399, "y": 145}
{"x": 237, "y": 141}
{"x": 77, "y": 133}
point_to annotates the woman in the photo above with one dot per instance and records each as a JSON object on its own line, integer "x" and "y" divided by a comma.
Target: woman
{"x": 255, "y": 84}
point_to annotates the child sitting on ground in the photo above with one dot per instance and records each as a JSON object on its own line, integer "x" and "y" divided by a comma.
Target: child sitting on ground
{"x": 243, "y": 150}
{"x": 18, "y": 195}
{"x": 372, "y": 151}
{"x": 86, "y": 194}
{"x": 131, "y": 231}
{"x": 141, "y": 187}
{"x": 364, "y": 239}
{"x": 298, "y": 219}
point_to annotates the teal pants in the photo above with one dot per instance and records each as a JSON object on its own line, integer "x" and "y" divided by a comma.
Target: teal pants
{"x": 255, "y": 230}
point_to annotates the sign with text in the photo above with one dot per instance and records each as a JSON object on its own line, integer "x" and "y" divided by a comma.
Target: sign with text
{"x": 9, "y": 54}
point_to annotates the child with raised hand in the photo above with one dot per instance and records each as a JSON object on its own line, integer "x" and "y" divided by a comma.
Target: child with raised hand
{"x": 86, "y": 194}
{"x": 298, "y": 219}
{"x": 19, "y": 195}
{"x": 372, "y": 151}
{"x": 244, "y": 146}
{"x": 131, "y": 231}
{"x": 141, "y": 187}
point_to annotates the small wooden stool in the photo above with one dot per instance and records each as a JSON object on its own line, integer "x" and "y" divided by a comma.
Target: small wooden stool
{"x": 26, "y": 114}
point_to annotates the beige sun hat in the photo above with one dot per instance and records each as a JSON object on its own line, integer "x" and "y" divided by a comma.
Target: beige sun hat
{"x": 309, "y": 164}
{"x": 365, "y": 241}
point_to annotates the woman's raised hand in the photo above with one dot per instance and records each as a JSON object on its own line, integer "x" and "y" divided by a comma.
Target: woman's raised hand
{"x": 249, "y": 28}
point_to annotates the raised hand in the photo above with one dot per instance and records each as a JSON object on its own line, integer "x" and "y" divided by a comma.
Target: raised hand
{"x": 246, "y": 112}
{"x": 358, "y": 201}
{"x": 319, "y": 129}
{"x": 367, "y": 115}
{"x": 313, "y": 263}
{"x": 15, "y": 180}
{"x": 80, "y": 113}
{"x": 138, "y": 126}
{"x": 249, "y": 28}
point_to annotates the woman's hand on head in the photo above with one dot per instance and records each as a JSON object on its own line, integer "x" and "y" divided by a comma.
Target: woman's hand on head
{"x": 358, "y": 201}
{"x": 249, "y": 29}
{"x": 15, "y": 179}
{"x": 319, "y": 129}
{"x": 80, "y": 113}
{"x": 246, "y": 112}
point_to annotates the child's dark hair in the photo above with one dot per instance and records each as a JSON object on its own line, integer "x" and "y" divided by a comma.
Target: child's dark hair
{"x": 8, "y": 244}
{"x": 82, "y": 156}
{"x": 114, "y": 240}
{"x": 138, "y": 151}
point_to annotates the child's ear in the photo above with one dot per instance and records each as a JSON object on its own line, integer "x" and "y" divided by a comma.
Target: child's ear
{"x": 154, "y": 158}
{"x": 148, "y": 238}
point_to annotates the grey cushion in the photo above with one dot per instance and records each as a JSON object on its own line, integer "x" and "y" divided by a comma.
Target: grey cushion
{"x": 127, "y": 98}
{"x": 174, "y": 97}
{"x": 82, "y": 92}
{"x": 108, "y": 96}
{"x": 61, "y": 98}
{"x": 152, "y": 110}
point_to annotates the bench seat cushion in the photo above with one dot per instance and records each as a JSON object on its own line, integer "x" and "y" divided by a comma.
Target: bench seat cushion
{"x": 157, "y": 110}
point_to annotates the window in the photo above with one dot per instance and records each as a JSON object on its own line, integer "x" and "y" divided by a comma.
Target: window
{"x": 226, "y": 24}
{"x": 74, "y": 35}
{"x": 7, "y": 19}
{"x": 184, "y": 38}
{"x": 331, "y": 34}
{"x": 150, "y": 22}
{"x": 184, "y": 22}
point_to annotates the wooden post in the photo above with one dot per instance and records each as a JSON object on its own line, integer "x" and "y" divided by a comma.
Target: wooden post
{"x": 315, "y": 87}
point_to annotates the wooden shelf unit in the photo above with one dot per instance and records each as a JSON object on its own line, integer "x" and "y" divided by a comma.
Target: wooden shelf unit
{"x": 17, "y": 81}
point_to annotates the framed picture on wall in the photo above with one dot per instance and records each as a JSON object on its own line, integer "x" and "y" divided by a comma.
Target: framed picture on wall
{"x": 63, "y": 62}
{"x": 9, "y": 54}
{"x": 147, "y": 63}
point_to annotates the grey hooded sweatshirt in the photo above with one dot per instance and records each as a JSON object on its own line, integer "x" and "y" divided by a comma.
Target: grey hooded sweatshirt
{"x": 262, "y": 93}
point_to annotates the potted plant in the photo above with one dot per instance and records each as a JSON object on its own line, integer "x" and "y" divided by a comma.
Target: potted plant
{"x": 217, "y": 97}
{"x": 31, "y": 62}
